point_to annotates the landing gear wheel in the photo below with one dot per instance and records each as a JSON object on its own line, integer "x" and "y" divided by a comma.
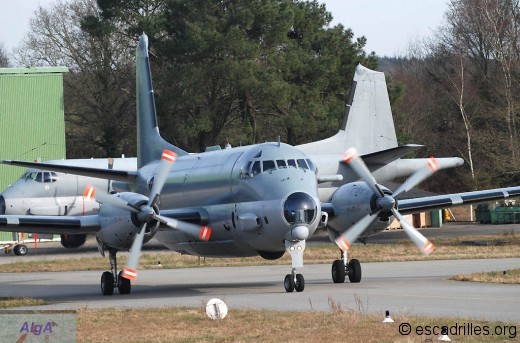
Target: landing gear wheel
{"x": 338, "y": 271}
{"x": 107, "y": 283}
{"x": 288, "y": 283}
{"x": 123, "y": 284}
{"x": 20, "y": 250}
{"x": 354, "y": 271}
{"x": 300, "y": 283}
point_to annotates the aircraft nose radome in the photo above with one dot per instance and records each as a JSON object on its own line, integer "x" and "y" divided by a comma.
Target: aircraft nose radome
{"x": 2, "y": 205}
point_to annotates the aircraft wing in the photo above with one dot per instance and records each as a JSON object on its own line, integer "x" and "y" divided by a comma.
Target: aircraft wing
{"x": 108, "y": 174}
{"x": 438, "y": 202}
{"x": 50, "y": 224}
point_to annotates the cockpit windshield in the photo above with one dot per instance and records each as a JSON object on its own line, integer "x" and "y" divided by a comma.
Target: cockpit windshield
{"x": 42, "y": 177}
{"x": 253, "y": 168}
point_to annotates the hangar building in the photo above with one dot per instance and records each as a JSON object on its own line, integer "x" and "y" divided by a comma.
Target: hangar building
{"x": 32, "y": 119}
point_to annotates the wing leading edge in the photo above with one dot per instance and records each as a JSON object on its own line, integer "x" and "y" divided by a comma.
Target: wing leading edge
{"x": 438, "y": 202}
{"x": 50, "y": 224}
{"x": 108, "y": 174}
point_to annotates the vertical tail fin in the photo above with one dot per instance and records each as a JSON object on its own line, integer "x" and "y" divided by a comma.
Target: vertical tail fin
{"x": 150, "y": 144}
{"x": 368, "y": 124}
{"x": 368, "y": 119}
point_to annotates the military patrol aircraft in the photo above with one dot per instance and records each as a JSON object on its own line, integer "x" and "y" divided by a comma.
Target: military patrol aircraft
{"x": 44, "y": 193}
{"x": 367, "y": 123}
{"x": 253, "y": 200}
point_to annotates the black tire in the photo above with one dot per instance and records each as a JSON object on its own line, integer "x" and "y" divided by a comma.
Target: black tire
{"x": 288, "y": 283}
{"x": 354, "y": 271}
{"x": 107, "y": 283}
{"x": 300, "y": 283}
{"x": 123, "y": 284}
{"x": 338, "y": 271}
{"x": 20, "y": 250}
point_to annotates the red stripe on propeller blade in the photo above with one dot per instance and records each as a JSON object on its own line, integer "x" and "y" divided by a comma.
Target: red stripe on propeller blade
{"x": 350, "y": 154}
{"x": 169, "y": 156}
{"x": 129, "y": 273}
{"x": 205, "y": 233}
{"x": 433, "y": 164}
{"x": 89, "y": 192}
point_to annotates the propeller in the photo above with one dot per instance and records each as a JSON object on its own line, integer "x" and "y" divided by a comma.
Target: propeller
{"x": 146, "y": 213}
{"x": 386, "y": 203}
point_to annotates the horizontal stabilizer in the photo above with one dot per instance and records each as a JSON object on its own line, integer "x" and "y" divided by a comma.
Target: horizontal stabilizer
{"x": 384, "y": 157}
{"x": 107, "y": 174}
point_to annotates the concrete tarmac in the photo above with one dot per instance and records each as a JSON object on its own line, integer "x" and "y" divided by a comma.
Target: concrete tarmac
{"x": 419, "y": 287}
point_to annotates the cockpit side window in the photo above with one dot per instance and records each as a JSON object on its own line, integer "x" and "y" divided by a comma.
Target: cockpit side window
{"x": 291, "y": 163}
{"x": 312, "y": 166}
{"x": 269, "y": 166}
{"x": 246, "y": 170}
{"x": 49, "y": 177}
{"x": 281, "y": 164}
{"x": 39, "y": 177}
{"x": 256, "y": 169}
{"x": 54, "y": 177}
{"x": 302, "y": 164}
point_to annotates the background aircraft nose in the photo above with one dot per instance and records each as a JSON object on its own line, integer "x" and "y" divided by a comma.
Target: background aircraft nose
{"x": 2, "y": 205}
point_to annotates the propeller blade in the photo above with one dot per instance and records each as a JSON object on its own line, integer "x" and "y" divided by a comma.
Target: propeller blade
{"x": 130, "y": 271}
{"x": 102, "y": 197}
{"x": 202, "y": 233}
{"x": 422, "y": 243}
{"x": 348, "y": 237}
{"x": 167, "y": 159}
{"x": 419, "y": 176}
{"x": 352, "y": 158}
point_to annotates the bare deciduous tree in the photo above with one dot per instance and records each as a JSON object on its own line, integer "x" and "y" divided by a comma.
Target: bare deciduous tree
{"x": 99, "y": 105}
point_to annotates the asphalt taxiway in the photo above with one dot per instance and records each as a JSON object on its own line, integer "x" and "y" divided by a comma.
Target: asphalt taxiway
{"x": 419, "y": 287}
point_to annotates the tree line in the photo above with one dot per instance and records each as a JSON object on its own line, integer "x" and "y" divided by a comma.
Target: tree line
{"x": 232, "y": 71}
{"x": 460, "y": 92}
{"x": 244, "y": 72}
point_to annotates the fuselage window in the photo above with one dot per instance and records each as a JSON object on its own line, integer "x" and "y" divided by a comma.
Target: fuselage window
{"x": 269, "y": 166}
{"x": 257, "y": 169}
{"x": 281, "y": 164}
{"x": 291, "y": 163}
{"x": 312, "y": 166}
{"x": 302, "y": 164}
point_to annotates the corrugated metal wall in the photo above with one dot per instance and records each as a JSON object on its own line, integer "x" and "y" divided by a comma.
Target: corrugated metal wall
{"x": 32, "y": 122}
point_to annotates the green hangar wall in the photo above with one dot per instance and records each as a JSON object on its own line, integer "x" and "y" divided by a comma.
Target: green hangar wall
{"x": 32, "y": 124}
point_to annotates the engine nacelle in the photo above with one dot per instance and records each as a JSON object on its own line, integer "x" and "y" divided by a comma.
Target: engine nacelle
{"x": 119, "y": 226}
{"x": 353, "y": 201}
{"x": 73, "y": 241}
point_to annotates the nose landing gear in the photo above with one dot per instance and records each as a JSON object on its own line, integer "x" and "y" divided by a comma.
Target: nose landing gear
{"x": 295, "y": 281}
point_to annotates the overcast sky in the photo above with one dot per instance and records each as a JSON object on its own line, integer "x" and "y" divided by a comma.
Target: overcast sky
{"x": 388, "y": 25}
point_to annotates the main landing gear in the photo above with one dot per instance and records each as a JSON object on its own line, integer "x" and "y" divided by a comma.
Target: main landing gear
{"x": 343, "y": 267}
{"x": 111, "y": 279}
{"x": 295, "y": 281}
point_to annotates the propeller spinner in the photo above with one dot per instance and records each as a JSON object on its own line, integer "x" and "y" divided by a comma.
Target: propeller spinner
{"x": 386, "y": 203}
{"x": 147, "y": 213}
